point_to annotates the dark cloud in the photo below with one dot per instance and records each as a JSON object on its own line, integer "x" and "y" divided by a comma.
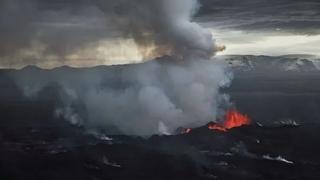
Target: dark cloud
{"x": 15, "y": 26}
{"x": 287, "y": 16}
{"x": 60, "y": 25}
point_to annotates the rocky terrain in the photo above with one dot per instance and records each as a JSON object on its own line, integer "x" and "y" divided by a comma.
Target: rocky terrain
{"x": 281, "y": 95}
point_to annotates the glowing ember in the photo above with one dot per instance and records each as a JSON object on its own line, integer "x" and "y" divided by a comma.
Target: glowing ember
{"x": 186, "y": 130}
{"x": 233, "y": 119}
{"x": 214, "y": 126}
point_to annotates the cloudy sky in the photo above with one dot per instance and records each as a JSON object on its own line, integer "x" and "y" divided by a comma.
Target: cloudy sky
{"x": 51, "y": 33}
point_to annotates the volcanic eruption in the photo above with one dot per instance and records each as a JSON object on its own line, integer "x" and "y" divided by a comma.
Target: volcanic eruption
{"x": 233, "y": 119}
{"x": 177, "y": 86}
{"x": 169, "y": 111}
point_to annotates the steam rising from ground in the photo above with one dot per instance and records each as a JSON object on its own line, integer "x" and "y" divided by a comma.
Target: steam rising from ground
{"x": 155, "y": 97}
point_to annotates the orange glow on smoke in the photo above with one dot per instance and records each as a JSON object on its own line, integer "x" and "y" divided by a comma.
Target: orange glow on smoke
{"x": 233, "y": 119}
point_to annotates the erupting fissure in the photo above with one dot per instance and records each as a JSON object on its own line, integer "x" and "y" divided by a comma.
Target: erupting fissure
{"x": 233, "y": 119}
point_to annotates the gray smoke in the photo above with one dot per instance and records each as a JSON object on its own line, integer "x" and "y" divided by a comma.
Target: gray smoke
{"x": 157, "y": 97}
{"x": 166, "y": 24}
{"x": 50, "y": 33}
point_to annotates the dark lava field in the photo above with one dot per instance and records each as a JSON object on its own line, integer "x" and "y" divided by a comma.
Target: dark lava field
{"x": 282, "y": 143}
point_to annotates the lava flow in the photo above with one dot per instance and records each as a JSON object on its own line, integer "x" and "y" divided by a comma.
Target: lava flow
{"x": 233, "y": 119}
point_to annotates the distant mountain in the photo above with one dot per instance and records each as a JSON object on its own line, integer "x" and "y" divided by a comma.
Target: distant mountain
{"x": 264, "y": 87}
{"x": 240, "y": 63}
{"x": 287, "y": 63}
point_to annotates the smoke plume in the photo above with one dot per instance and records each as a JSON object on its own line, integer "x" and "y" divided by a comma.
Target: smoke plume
{"x": 162, "y": 27}
{"x": 156, "y": 97}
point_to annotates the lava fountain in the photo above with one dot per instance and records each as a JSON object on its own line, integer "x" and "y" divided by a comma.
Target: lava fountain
{"x": 233, "y": 118}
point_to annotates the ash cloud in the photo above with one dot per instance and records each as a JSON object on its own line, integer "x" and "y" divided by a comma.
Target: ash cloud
{"x": 154, "y": 97}
{"x": 157, "y": 97}
{"x": 51, "y": 33}
{"x": 165, "y": 24}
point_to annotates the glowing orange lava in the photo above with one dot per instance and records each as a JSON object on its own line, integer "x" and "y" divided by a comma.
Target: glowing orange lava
{"x": 233, "y": 119}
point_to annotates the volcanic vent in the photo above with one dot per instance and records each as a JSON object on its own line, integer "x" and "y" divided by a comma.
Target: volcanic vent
{"x": 233, "y": 119}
